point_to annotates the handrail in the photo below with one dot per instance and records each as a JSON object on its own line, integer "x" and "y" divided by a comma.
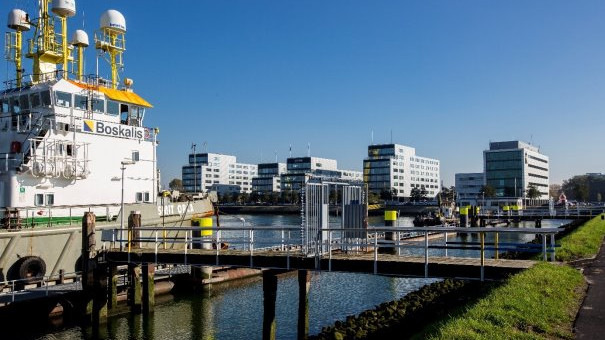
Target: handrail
{"x": 324, "y": 248}
{"x": 42, "y": 281}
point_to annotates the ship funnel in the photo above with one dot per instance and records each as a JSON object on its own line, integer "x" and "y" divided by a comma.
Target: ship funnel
{"x": 80, "y": 40}
{"x": 111, "y": 39}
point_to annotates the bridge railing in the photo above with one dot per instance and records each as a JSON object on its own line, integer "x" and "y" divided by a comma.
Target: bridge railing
{"x": 45, "y": 283}
{"x": 250, "y": 239}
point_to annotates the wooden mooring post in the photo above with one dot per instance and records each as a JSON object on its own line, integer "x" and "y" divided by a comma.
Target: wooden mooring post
{"x": 94, "y": 276}
{"x": 269, "y": 297}
{"x": 304, "y": 283}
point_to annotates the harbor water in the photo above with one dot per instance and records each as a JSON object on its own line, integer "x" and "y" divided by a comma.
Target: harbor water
{"x": 235, "y": 310}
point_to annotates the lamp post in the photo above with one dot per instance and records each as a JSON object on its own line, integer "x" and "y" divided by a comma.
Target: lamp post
{"x": 123, "y": 167}
{"x": 244, "y": 228}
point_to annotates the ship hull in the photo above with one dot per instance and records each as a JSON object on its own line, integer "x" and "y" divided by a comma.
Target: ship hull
{"x": 58, "y": 248}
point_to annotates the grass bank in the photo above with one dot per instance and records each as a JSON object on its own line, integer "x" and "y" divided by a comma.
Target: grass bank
{"x": 584, "y": 242}
{"x": 541, "y": 302}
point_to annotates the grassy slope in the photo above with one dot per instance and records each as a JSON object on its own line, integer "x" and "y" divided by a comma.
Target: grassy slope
{"x": 539, "y": 303}
{"x": 584, "y": 242}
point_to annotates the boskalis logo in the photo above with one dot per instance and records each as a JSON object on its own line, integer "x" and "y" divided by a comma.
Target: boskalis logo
{"x": 114, "y": 130}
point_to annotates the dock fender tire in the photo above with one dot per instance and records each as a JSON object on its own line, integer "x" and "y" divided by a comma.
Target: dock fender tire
{"x": 31, "y": 267}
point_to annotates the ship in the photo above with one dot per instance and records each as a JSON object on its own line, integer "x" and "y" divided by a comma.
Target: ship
{"x": 71, "y": 143}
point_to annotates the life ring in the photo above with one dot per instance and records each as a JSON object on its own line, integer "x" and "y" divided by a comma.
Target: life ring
{"x": 31, "y": 267}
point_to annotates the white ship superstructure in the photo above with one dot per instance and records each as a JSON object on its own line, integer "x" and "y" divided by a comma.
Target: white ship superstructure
{"x": 71, "y": 143}
{"x": 62, "y": 140}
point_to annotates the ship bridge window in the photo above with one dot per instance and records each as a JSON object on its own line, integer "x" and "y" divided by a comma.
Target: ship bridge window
{"x": 4, "y": 108}
{"x": 98, "y": 105}
{"x": 14, "y": 105}
{"x": 113, "y": 108}
{"x": 45, "y": 96}
{"x": 80, "y": 102}
{"x": 62, "y": 99}
{"x": 34, "y": 98}
{"x": 39, "y": 200}
{"x": 24, "y": 101}
{"x": 124, "y": 113}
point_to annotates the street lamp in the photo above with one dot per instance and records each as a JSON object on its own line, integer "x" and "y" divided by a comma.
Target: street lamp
{"x": 123, "y": 167}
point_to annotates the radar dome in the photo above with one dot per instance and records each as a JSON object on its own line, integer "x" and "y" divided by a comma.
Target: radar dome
{"x": 18, "y": 20}
{"x": 79, "y": 38}
{"x": 64, "y": 8}
{"x": 113, "y": 20}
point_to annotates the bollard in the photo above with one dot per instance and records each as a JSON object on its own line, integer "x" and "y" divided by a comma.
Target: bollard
{"x": 390, "y": 218}
{"x": 204, "y": 233}
{"x": 134, "y": 223}
{"x": 463, "y": 217}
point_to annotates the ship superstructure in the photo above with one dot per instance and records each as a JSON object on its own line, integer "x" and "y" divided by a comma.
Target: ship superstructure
{"x": 63, "y": 135}
{"x": 72, "y": 143}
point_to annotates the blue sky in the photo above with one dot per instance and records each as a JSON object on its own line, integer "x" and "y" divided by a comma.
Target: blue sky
{"x": 250, "y": 78}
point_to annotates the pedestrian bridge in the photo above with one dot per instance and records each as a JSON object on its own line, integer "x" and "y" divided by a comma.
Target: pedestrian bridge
{"x": 406, "y": 251}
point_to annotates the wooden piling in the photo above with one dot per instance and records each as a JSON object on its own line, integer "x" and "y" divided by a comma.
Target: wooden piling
{"x": 269, "y": 297}
{"x": 304, "y": 284}
{"x": 134, "y": 289}
{"x": 148, "y": 288}
{"x": 134, "y": 223}
{"x": 112, "y": 289}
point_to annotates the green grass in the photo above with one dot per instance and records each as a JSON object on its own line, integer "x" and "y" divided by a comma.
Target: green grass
{"x": 539, "y": 303}
{"x": 584, "y": 242}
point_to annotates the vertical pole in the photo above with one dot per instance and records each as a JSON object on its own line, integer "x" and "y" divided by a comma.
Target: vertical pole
{"x": 446, "y": 244}
{"x": 544, "y": 247}
{"x": 552, "y": 247}
{"x": 496, "y": 244}
{"x": 148, "y": 288}
{"x": 390, "y": 216}
{"x": 482, "y": 235}
{"x": 426, "y": 254}
{"x": 269, "y": 297}
{"x": 304, "y": 284}
{"x": 134, "y": 223}
{"x": 134, "y": 291}
{"x": 330, "y": 251}
{"x": 375, "y": 252}
{"x": 113, "y": 286}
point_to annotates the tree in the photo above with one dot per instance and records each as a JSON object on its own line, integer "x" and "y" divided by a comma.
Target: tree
{"x": 488, "y": 191}
{"x": 418, "y": 194}
{"x": 176, "y": 184}
{"x": 533, "y": 192}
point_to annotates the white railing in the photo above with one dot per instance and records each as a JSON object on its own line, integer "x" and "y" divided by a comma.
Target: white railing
{"x": 279, "y": 239}
{"x": 13, "y": 288}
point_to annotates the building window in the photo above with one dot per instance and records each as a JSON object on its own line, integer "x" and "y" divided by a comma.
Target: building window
{"x": 50, "y": 199}
{"x": 39, "y": 200}
{"x": 135, "y": 155}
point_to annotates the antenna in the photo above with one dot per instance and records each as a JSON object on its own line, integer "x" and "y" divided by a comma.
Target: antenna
{"x": 372, "y": 137}
{"x": 276, "y": 156}
{"x": 290, "y": 150}
{"x": 205, "y": 147}
{"x": 111, "y": 39}
{"x": 391, "y": 136}
{"x": 308, "y": 149}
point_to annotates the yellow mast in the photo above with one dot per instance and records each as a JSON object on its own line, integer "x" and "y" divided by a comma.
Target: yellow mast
{"x": 111, "y": 39}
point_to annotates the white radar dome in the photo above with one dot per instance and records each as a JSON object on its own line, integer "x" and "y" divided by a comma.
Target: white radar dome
{"x": 113, "y": 20}
{"x": 18, "y": 20}
{"x": 79, "y": 38}
{"x": 64, "y": 8}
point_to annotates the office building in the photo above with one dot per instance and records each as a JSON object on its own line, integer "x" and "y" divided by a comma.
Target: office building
{"x": 468, "y": 188}
{"x": 397, "y": 169}
{"x": 207, "y": 169}
{"x": 512, "y": 167}
{"x": 301, "y": 169}
{"x": 268, "y": 178}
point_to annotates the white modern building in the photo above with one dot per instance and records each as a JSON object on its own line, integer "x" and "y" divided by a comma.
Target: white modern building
{"x": 301, "y": 169}
{"x": 396, "y": 168}
{"x": 468, "y": 188}
{"x": 269, "y": 177}
{"x": 512, "y": 167}
{"x": 207, "y": 169}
